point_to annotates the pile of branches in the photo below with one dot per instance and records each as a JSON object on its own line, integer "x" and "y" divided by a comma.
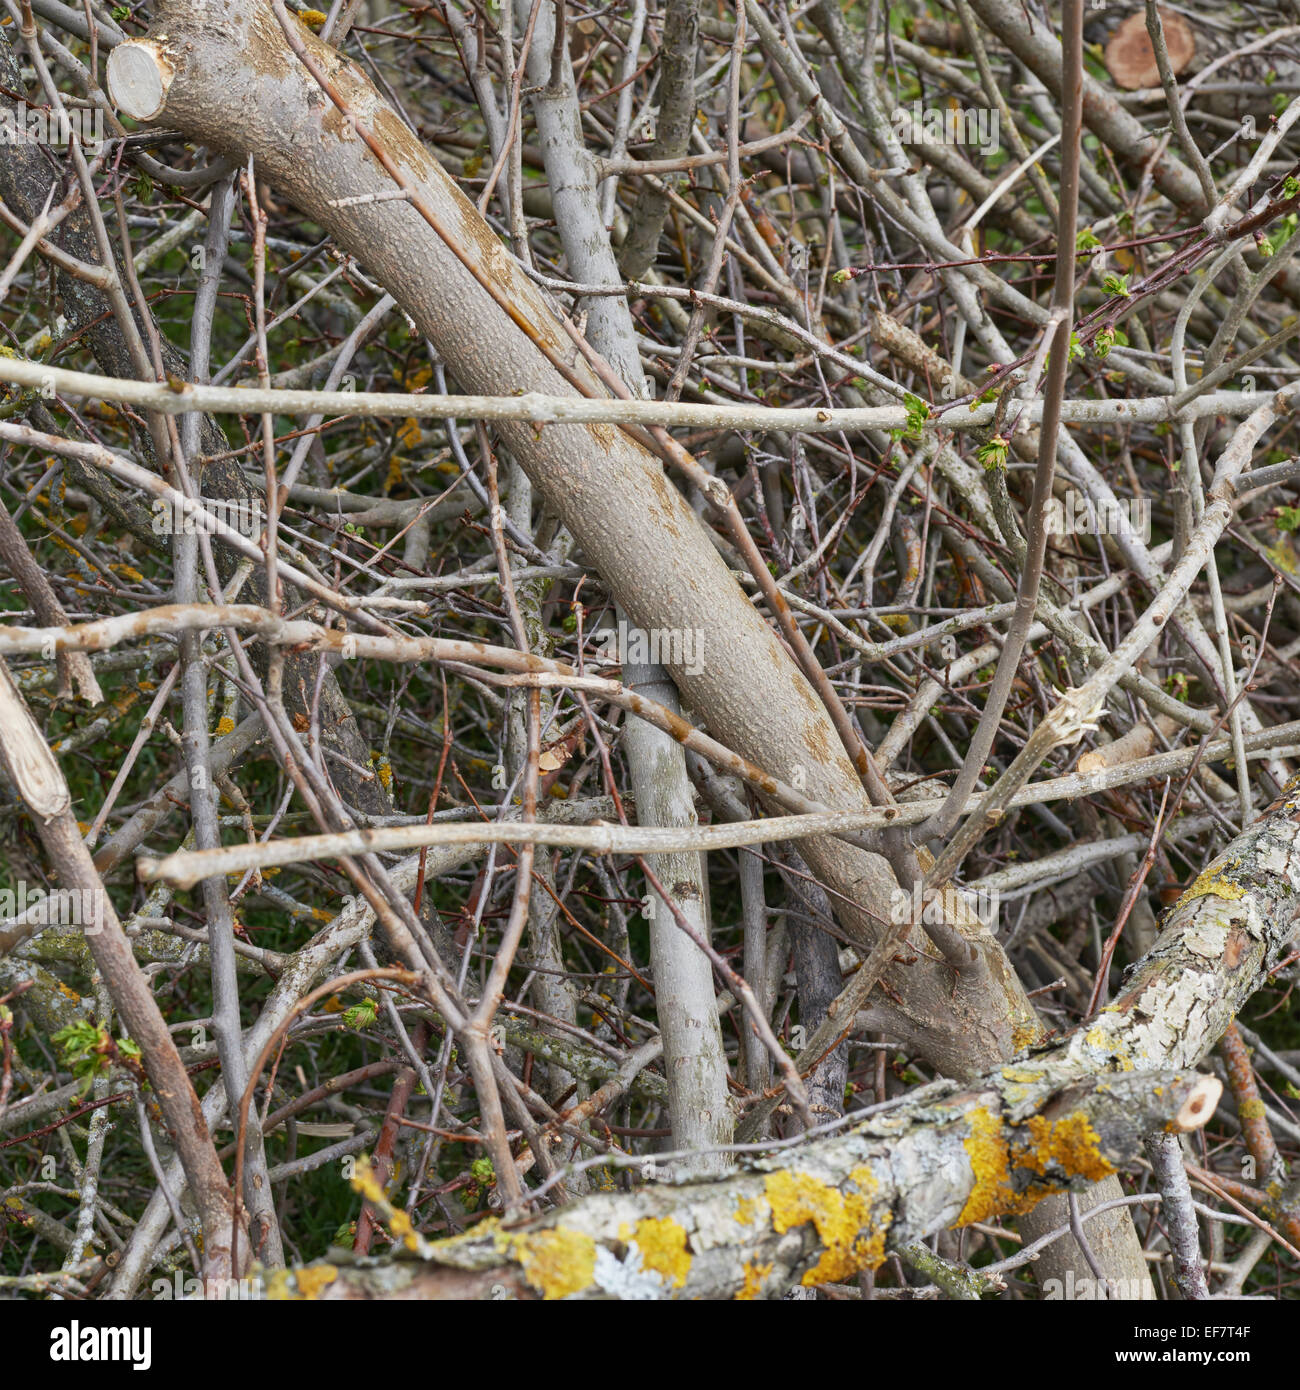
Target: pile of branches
{"x": 629, "y": 631}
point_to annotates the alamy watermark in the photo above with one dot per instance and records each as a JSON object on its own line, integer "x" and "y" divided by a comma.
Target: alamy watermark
{"x": 931, "y": 907}
{"x": 679, "y": 647}
{"x": 94, "y": 1343}
{"x": 181, "y": 1287}
{"x": 1077, "y": 515}
{"x": 37, "y": 906}
{"x": 21, "y": 124}
{"x": 172, "y": 517}
{"x": 1072, "y": 1290}
{"x": 976, "y": 126}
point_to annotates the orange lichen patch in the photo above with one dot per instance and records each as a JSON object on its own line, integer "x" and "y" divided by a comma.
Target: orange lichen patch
{"x": 663, "y": 1247}
{"x": 557, "y": 1262}
{"x": 1070, "y": 1143}
{"x": 843, "y": 1221}
{"x": 755, "y": 1277}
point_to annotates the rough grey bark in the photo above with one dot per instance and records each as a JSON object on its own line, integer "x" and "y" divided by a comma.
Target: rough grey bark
{"x": 677, "y": 56}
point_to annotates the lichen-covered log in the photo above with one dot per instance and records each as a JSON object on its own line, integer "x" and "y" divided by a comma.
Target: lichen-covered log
{"x": 1069, "y": 1115}
{"x": 1220, "y": 942}
{"x": 948, "y": 1155}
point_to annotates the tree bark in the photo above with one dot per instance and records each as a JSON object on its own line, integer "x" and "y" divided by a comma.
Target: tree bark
{"x": 455, "y": 280}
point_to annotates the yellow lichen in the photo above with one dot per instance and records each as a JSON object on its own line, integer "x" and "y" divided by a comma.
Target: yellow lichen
{"x": 1071, "y": 1143}
{"x": 383, "y": 768}
{"x": 20, "y": 1216}
{"x": 313, "y": 1280}
{"x": 298, "y": 1286}
{"x": 843, "y": 1221}
{"x": 663, "y": 1247}
{"x": 746, "y": 1210}
{"x": 991, "y": 1191}
{"x": 755, "y": 1276}
{"x": 400, "y": 1225}
{"x": 365, "y": 1182}
{"x": 1111, "y": 1044}
{"x": 1211, "y": 883}
{"x": 557, "y": 1262}
{"x": 1282, "y": 555}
